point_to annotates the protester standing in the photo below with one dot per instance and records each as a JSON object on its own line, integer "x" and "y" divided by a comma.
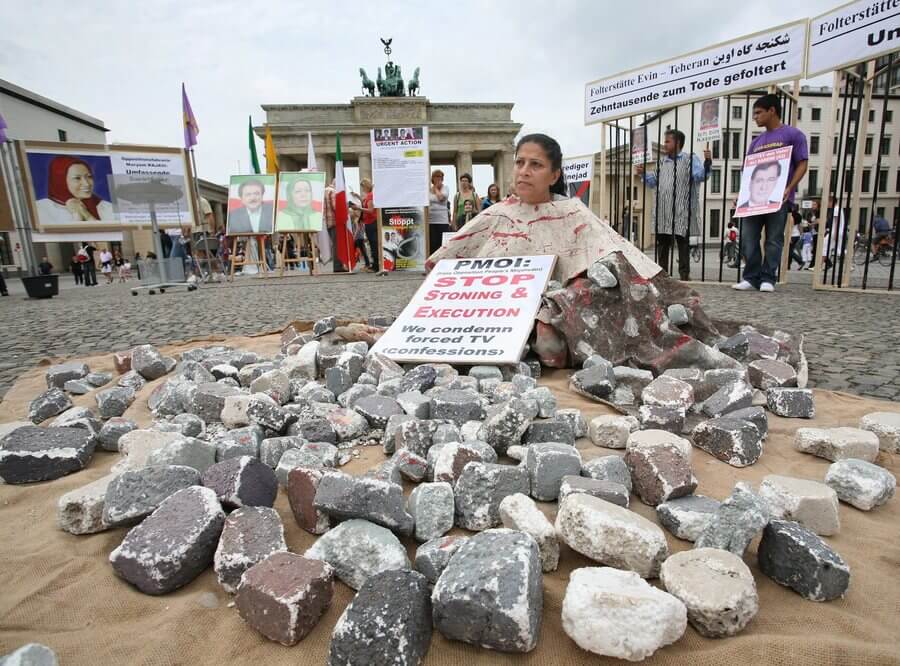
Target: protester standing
{"x": 75, "y": 267}
{"x": 761, "y": 271}
{"x": 369, "y": 221}
{"x": 677, "y": 203}
{"x": 330, "y": 218}
{"x": 438, "y": 212}
{"x": 86, "y": 256}
{"x": 465, "y": 193}
{"x": 493, "y": 196}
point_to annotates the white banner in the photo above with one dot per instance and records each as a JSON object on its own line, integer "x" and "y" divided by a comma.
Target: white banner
{"x": 579, "y": 174}
{"x": 400, "y": 166}
{"x": 853, "y": 33}
{"x": 752, "y": 61}
{"x": 478, "y": 310}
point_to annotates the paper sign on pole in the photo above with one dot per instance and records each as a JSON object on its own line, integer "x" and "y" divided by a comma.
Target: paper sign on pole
{"x": 710, "y": 128}
{"x": 763, "y": 180}
{"x": 579, "y": 174}
{"x": 641, "y": 148}
{"x": 771, "y": 56}
{"x": 403, "y": 239}
{"x": 400, "y": 166}
{"x": 478, "y": 310}
{"x": 852, "y": 33}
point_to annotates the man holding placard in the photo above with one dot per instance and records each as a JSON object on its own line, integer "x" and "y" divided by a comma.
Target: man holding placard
{"x": 776, "y": 162}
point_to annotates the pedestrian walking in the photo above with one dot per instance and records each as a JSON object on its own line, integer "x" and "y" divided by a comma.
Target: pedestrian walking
{"x": 86, "y": 257}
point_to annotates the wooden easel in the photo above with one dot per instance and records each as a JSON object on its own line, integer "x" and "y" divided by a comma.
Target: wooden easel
{"x": 299, "y": 236}
{"x": 260, "y": 263}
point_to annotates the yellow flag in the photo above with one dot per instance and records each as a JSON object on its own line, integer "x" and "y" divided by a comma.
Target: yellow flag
{"x": 271, "y": 157}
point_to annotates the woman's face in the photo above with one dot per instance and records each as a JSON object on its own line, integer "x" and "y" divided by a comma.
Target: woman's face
{"x": 80, "y": 181}
{"x": 493, "y": 193}
{"x": 534, "y": 174}
{"x": 302, "y": 194}
{"x": 437, "y": 180}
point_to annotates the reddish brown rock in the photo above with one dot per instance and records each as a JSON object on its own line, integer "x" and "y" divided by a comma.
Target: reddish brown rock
{"x": 303, "y": 482}
{"x": 660, "y": 472}
{"x": 285, "y": 595}
{"x": 122, "y": 361}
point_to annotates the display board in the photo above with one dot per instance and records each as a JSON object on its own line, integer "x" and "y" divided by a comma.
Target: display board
{"x": 478, "y": 310}
{"x": 403, "y": 239}
{"x": 641, "y": 148}
{"x": 710, "y": 125}
{"x": 763, "y": 180}
{"x": 852, "y": 33}
{"x": 579, "y": 174}
{"x": 400, "y": 167}
{"x": 301, "y": 201}
{"x": 251, "y": 205}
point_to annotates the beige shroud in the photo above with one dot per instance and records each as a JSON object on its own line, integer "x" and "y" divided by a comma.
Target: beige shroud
{"x": 60, "y": 590}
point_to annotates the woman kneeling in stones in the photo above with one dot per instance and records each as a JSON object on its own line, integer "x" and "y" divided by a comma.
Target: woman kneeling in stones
{"x": 609, "y": 298}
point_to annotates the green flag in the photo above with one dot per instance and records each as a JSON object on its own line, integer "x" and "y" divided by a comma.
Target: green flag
{"x": 254, "y": 160}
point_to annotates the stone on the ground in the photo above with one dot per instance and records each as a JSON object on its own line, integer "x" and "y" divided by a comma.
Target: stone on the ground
{"x": 137, "y": 445}
{"x": 551, "y": 430}
{"x": 77, "y": 387}
{"x": 634, "y": 378}
{"x": 731, "y": 397}
{"x": 810, "y": 503}
{"x": 410, "y": 465}
{"x": 755, "y": 415}
{"x": 516, "y": 452}
{"x": 446, "y": 432}
{"x": 324, "y": 325}
{"x": 266, "y": 412}
{"x": 58, "y": 375}
{"x": 338, "y": 380}
{"x": 351, "y": 396}
{"x": 601, "y": 276}
{"x": 80, "y": 511}
{"x": 420, "y": 378}
{"x": 347, "y": 424}
{"x": 886, "y": 426}
{"x": 605, "y": 490}
{"x": 767, "y": 373}
{"x": 491, "y": 592}
{"x": 352, "y": 362}
{"x": 457, "y": 406}
{"x": 691, "y": 376}
{"x": 544, "y": 399}
{"x": 432, "y": 557}
{"x": 596, "y": 381}
{"x": 190, "y": 451}
{"x": 122, "y": 362}
{"x": 170, "y": 397}
{"x": 382, "y": 368}
{"x": 618, "y": 614}
{"x": 51, "y": 402}
{"x": 716, "y": 587}
{"x": 246, "y": 376}
{"x": 837, "y": 443}
{"x": 737, "y": 346}
{"x": 660, "y": 470}
{"x": 174, "y": 545}
{"x": 715, "y": 378}
{"x": 249, "y": 536}
{"x": 301, "y": 489}
{"x": 432, "y": 507}
{"x": 659, "y": 417}
{"x": 225, "y": 371}
{"x": 388, "y": 470}
{"x": 272, "y": 448}
{"x": 31, "y": 654}
{"x": 547, "y": 464}
{"x": 416, "y": 435}
{"x": 132, "y": 380}
{"x": 611, "y": 430}
{"x": 387, "y": 622}
{"x": 29, "y": 453}
{"x": 239, "y": 442}
{"x": 415, "y": 404}
{"x": 687, "y": 517}
{"x": 733, "y": 441}
{"x": 574, "y": 417}
{"x": 740, "y": 517}
{"x": 611, "y": 535}
{"x": 148, "y": 362}
{"x": 668, "y": 391}
{"x": 208, "y": 401}
{"x": 303, "y": 364}
{"x": 242, "y": 481}
{"x": 358, "y": 549}
{"x": 449, "y": 460}
{"x": 134, "y": 495}
{"x": 792, "y": 403}
{"x": 793, "y": 556}
{"x": 284, "y": 596}
{"x": 191, "y": 424}
{"x": 275, "y": 383}
{"x": 860, "y": 483}
{"x": 316, "y": 429}
{"x": 519, "y": 512}
{"x": 292, "y": 459}
{"x": 343, "y": 496}
{"x": 480, "y": 489}
{"x": 114, "y": 401}
{"x": 79, "y": 417}
{"x": 608, "y": 468}
{"x": 678, "y": 314}
{"x": 381, "y": 320}
{"x": 377, "y": 409}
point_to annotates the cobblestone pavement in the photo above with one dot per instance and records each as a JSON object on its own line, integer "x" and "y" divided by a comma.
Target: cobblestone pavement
{"x": 853, "y": 340}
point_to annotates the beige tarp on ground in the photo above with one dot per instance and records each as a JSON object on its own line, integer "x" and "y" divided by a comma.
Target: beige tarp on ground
{"x": 60, "y": 590}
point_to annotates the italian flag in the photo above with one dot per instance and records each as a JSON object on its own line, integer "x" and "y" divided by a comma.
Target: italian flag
{"x": 343, "y": 233}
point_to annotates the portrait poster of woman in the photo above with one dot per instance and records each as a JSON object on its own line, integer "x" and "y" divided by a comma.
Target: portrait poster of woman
{"x": 301, "y": 201}
{"x": 71, "y": 189}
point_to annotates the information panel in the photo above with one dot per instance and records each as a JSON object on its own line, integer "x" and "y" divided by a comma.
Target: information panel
{"x": 853, "y": 33}
{"x": 400, "y": 166}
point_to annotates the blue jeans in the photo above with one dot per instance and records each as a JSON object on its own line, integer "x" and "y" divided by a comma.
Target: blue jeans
{"x": 761, "y": 269}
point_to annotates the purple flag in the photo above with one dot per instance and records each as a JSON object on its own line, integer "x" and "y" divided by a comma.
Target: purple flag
{"x": 3, "y": 126}
{"x": 191, "y": 130}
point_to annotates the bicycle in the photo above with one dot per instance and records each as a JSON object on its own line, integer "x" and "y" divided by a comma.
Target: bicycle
{"x": 881, "y": 251}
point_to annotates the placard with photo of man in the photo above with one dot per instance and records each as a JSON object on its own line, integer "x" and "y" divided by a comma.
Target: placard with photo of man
{"x": 251, "y": 205}
{"x": 763, "y": 179}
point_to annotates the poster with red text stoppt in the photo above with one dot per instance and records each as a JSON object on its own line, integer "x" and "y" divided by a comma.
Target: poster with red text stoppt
{"x": 473, "y": 311}
{"x": 763, "y": 181}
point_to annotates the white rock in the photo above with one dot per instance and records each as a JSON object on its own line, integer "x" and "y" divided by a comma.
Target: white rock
{"x": 137, "y": 445}
{"x": 810, "y": 503}
{"x": 886, "y": 426}
{"x": 617, "y": 614}
{"x": 611, "y": 535}
{"x": 642, "y": 438}
{"x": 837, "y": 443}
{"x": 612, "y": 430}
{"x": 80, "y": 511}
{"x": 860, "y": 483}
{"x": 303, "y": 365}
{"x": 717, "y": 588}
{"x": 519, "y": 512}
{"x": 234, "y": 412}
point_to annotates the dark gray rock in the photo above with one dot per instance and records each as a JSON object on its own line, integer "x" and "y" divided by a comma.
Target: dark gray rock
{"x": 737, "y": 346}
{"x": 739, "y": 518}
{"x": 195, "y": 372}
{"x": 377, "y": 409}
{"x": 766, "y": 373}
{"x": 343, "y": 496}
{"x": 51, "y": 402}
{"x": 77, "y": 387}
{"x": 337, "y": 380}
{"x": 506, "y": 426}
{"x": 412, "y": 466}
{"x": 605, "y": 490}
{"x": 347, "y": 424}
{"x": 687, "y": 517}
{"x": 272, "y": 448}
{"x": 79, "y": 417}
{"x": 315, "y": 429}
{"x": 432, "y": 508}
{"x": 596, "y": 381}
{"x": 174, "y": 545}
{"x": 148, "y": 362}
{"x": 265, "y": 412}
{"x": 208, "y": 400}
{"x": 457, "y": 406}
{"x": 491, "y": 592}
{"x": 135, "y": 494}
{"x": 415, "y": 435}
{"x": 792, "y": 403}
{"x": 547, "y": 464}
{"x": 29, "y": 453}
{"x": 432, "y": 557}
{"x": 132, "y": 380}
{"x": 480, "y": 489}
{"x": 239, "y": 442}
{"x": 58, "y": 375}
{"x": 415, "y": 404}
{"x": 243, "y": 481}
{"x": 658, "y": 417}
{"x": 382, "y": 321}
{"x": 225, "y": 371}
{"x": 191, "y": 425}
{"x": 324, "y": 325}
{"x": 447, "y": 461}
{"x": 351, "y": 396}
{"x": 756, "y": 416}
{"x": 382, "y": 368}
{"x": 731, "y": 397}
{"x": 608, "y": 468}
{"x": 114, "y": 401}
{"x": 575, "y": 418}
{"x": 421, "y": 378}
{"x": 795, "y": 557}
{"x": 250, "y": 535}
{"x": 549, "y": 431}
{"x": 733, "y": 441}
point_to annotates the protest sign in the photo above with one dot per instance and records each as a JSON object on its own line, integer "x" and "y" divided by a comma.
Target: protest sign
{"x": 478, "y": 310}
{"x": 579, "y": 174}
{"x": 641, "y": 148}
{"x": 852, "y": 33}
{"x": 400, "y": 166}
{"x": 752, "y": 61}
{"x": 763, "y": 179}
{"x": 403, "y": 239}
{"x": 251, "y": 205}
{"x": 710, "y": 128}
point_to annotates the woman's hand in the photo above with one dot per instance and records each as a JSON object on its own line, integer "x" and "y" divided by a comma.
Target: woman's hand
{"x": 78, "y": 210}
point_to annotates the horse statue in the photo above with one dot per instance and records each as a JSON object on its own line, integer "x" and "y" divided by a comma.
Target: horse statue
{"x": 368, "y": 84}
{"x": 380, "y": 83}
{"x": 413, "y": 84}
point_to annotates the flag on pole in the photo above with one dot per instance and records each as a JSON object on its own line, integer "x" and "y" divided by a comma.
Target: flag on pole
{"x": 343, "y": 231}
{"x": 191, "y": 129}
{"x": 271, "y": 157}
{"x": 310, "y": 154}
{"x": 254, "y": 160}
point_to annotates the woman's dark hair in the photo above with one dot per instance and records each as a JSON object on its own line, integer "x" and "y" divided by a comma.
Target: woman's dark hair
{"x": 489, "y": 190}
{"x": 554, "y": 154}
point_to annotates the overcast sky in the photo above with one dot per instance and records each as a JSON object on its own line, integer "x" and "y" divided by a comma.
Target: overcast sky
{"x": 124, "y": 62}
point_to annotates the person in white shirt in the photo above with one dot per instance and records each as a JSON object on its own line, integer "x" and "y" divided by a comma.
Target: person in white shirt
{"x": 438, "y": 213}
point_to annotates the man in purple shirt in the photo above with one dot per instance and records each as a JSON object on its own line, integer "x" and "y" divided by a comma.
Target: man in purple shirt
{"x": 761, "y": 272}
